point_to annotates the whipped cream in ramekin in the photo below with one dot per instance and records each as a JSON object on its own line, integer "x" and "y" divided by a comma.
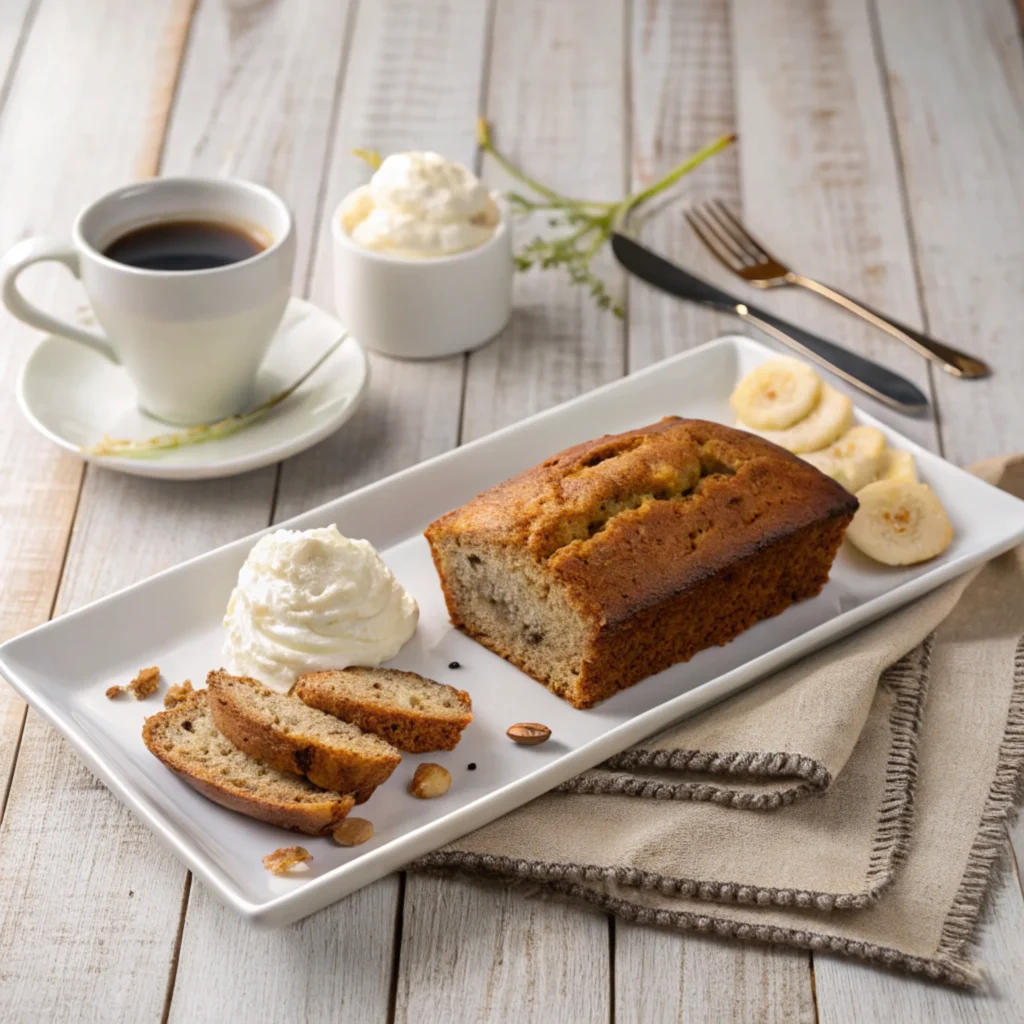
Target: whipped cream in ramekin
{"x": 419, "y": 206}
{"x": 314, "y": 599}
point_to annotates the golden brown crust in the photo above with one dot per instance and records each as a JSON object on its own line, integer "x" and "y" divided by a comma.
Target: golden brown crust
{"x": 415, "y": 731}
{"x": 313, "y": 817}
{"x": 648, "y": 526}
{"x": 257, "y": 734}
{"x": 687, "y": 480}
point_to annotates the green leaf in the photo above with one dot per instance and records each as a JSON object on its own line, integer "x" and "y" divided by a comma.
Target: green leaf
{"x": 371, "y": 156}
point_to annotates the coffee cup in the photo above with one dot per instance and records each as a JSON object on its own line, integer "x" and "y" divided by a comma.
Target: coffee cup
{"x": 188, "y": 279}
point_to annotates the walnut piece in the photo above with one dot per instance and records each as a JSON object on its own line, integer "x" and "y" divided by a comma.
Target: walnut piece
{"x": 353, "y": 832}
{"x": 176, "y": 694}
{"x": 281, "y": 861}
{"x": 145, "y": 682}
{"x": 430, "y": 780}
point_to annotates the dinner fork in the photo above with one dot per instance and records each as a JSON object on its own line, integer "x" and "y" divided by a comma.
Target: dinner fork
{"x": 738, "y": 251}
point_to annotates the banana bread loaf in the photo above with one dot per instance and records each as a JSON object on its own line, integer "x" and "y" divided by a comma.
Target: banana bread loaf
{"x": 620, "y": 557}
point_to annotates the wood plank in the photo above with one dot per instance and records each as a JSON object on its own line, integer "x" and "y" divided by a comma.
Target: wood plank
{"x": 957, "y": 81}
{"x": 820, "y": 178}
{"x": 173, "y": 45}
{"x": 88, "y": 924}
{"x": 662, "y": 977}
{"x": 99, "y": 132}
{"x": 128, "y": 528}
{"x": 256, "y": 100}
{"x": 39, "y": 483}
{"x": 557, "y": 109}
{"x": 682, "y": 97}
{"x": 848, "y": 991}
{"x": 335, "y": 965}
{"x": 15, "y": 25}
{"x": 471, "y": 953}
{"x": 412, "y": 80}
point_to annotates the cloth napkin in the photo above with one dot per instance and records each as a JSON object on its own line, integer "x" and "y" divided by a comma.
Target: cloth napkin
{"x": 856, "y": 802}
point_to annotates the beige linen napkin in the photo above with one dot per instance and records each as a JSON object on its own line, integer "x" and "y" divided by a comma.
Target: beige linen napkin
{"x": 910, "y": 734}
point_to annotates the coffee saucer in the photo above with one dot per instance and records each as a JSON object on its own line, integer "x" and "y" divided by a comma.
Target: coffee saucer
{"x": 76, "y": 398}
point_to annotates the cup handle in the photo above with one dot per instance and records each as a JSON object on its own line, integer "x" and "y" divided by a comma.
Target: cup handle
{"x": 36, "y": 250}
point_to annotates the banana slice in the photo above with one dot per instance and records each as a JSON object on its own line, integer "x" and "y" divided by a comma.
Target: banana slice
{"x": 900, "y": 523}
{"x": 827, "y": 421}
{"x": 899, "y": 465}
{"x": 855, "y": 460}
{"x": 776, "y": 395}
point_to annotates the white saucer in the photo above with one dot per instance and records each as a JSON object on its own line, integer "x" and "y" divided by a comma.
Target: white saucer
{"x": 75, "y": 397}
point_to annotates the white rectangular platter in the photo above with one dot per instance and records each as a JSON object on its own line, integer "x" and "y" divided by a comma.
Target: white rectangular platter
{"x": 174, "y": 620}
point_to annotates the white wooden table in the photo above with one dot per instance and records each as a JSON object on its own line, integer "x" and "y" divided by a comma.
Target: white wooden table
{"x": 882, "y": 148}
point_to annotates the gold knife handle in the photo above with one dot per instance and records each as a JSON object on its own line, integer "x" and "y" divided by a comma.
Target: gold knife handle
{"x": 952, "y": 360}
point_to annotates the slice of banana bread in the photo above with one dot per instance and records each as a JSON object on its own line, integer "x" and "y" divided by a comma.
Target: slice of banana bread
{"x": 281, "y": 731}
{"x": 620, "y": 557}
{"x": 413, "y": 713}
{"x": 187, "y": 741}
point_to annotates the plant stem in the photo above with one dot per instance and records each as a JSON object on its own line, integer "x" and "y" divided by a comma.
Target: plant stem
{"x": 571, "y": 251}
{"x": 155, "y": 446}
{"x": 483, "y": 138}
{"x": 591, "y": 252}
{"x": 635, "y": 200}
{"x": 562, "y": 204}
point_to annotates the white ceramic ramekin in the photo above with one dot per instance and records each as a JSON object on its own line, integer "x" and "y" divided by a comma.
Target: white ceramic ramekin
{"x": 423, "y": 308}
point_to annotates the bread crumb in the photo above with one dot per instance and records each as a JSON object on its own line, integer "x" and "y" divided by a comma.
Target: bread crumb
{"x": 281, "y": 861}
{"x": 113, "y": 692}
{"x": 176, "y": 694}
{"x": 145, "y": 683}
{"x": 353, "y": 832}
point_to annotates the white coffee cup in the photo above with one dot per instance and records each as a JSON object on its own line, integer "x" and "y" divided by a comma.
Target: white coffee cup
{"x": 191, "y": 340}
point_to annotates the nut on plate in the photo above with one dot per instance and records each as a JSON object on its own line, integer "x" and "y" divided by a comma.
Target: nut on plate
{"x": 430, "y": 780}
{"x": 353, "y": 832}
{"x": 528, "y": 734}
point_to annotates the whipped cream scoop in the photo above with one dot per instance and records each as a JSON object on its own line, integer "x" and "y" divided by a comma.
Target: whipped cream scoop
{"x": 311, "y": 600}
{"x": 419, "y": 206}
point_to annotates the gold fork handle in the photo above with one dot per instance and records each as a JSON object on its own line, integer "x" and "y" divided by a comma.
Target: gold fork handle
{"x": 953, "y": 361}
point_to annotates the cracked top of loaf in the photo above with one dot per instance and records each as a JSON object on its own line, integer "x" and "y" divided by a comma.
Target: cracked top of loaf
{"x": 628, "y": 520}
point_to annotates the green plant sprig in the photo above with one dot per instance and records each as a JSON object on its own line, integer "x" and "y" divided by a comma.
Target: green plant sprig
{"x": 153, "y": 447}
{"x": 590, "y": 222}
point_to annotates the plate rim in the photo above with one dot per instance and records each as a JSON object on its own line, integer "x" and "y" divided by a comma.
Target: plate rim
{"x": 157, "y": 470}
{"x": 317, "y": 893}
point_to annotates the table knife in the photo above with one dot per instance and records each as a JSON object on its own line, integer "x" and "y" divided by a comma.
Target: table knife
{"x": 862, "y": 373}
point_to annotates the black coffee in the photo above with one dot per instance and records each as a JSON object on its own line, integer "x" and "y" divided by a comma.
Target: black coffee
{"x": 184, "y": 245}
